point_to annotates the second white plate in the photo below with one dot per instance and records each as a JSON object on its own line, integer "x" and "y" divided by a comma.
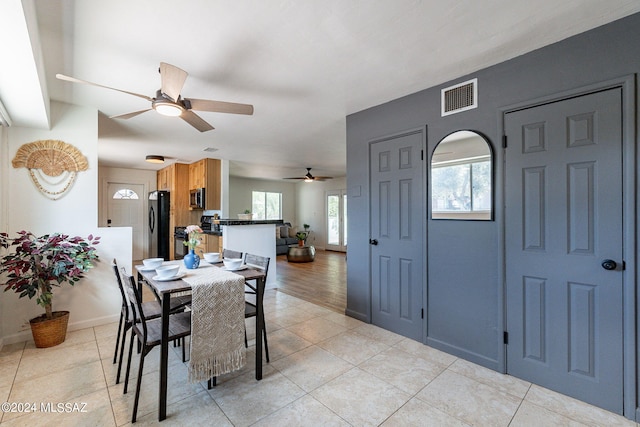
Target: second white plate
{"x": 168, "y": 279}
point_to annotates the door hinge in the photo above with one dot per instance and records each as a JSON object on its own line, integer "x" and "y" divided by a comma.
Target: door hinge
{"x": 422, "y": 313}
{"x": 504, "y": 141}
{"x": 421, "y": 154}
{"x": 624, "y": 265}
{"x": 505, "y": 337}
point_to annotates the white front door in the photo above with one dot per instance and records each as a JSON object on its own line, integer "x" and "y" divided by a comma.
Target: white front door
{"x": 125, "y": 208}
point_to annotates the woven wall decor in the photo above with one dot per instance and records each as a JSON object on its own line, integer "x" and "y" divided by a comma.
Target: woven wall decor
{"x": 53, "y": 165}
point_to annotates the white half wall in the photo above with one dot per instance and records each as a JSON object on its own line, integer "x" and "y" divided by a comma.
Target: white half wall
{"x": 96, "y": 299}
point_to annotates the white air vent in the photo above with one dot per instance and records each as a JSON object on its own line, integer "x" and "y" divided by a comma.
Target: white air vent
{"x": 461, "y": 97}
{"x": 210, "y": 149}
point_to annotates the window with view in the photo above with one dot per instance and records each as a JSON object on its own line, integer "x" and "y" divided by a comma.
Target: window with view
{"x": 462, "y": 187}
{"x": 266, "y": 205}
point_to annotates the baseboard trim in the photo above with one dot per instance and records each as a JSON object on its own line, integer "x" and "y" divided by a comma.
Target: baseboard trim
{"x": 476, "y": 358}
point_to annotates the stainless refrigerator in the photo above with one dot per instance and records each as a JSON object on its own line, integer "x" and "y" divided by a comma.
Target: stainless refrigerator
{"x": 159, "y": 235}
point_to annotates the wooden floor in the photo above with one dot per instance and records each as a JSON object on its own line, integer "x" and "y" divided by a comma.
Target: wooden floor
{"x": 322, "y": 282}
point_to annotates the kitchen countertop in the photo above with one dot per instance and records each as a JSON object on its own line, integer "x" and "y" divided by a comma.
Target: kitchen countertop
{"x": 247, "y": 222}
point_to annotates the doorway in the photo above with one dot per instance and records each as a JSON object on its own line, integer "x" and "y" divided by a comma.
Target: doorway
{"x": 125, "y": 208}
{"x": 336, "y": 205}
{"x": 397, "y": 206}
{"x": 564, "y": 246}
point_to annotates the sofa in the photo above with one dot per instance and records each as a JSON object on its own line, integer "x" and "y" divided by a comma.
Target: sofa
{"x": 285, "y": 236}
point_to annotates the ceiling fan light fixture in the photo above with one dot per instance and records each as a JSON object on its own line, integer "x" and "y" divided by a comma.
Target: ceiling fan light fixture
{"x": 153, "y": 158}
{"x": 307, "y": 179}
{"x": 167, "y": 108}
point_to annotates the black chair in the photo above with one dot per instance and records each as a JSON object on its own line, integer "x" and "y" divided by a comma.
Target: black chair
{"x": 149, "y": 334}
{"x": 250, "y": 309}
{"x": 152, "y": 310}
{"x": 228, "y": 253}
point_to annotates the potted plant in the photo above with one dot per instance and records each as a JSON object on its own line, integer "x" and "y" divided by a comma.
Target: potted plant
{"x": 306, "y": 227}
{"x": 247, "y": 215}
{"x": 302, "y": 236}
{"x": 40, "y": 264}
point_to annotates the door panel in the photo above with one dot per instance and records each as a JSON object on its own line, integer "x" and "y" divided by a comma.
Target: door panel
{"x": 563, "y": 217}
{"x": 128, "y": 213}
{"x": 397, "y": 225}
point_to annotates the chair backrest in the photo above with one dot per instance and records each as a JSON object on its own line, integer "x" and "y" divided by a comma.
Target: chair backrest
{"x": 228, "y": 253}
{"x": 134, "y": 299}
{"x": 125, "y": 304}
{"x": 259, "y": 263}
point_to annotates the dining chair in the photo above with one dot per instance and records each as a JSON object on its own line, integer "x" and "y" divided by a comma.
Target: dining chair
{"x": 229, "y": 253}
{"x": 149, "y": 333}
{"x": 250, "y": 309}
{"x": 152, "y": 310}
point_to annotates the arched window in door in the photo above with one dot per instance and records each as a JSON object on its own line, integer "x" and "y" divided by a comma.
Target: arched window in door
{"x": 125, "y": 194}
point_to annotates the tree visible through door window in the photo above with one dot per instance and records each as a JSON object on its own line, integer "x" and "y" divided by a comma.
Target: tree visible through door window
{"x": 266, "y": 205}
{"x": 126, "y": 194}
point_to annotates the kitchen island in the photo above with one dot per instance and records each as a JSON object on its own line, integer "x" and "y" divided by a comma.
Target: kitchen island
{"x": 255, "y": 237}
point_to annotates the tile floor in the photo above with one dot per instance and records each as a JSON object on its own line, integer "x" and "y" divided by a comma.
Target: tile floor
{"x": 326, "y": 370}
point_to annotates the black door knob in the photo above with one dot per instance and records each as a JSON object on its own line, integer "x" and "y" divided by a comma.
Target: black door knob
{"x": 373, "y": 242}
{"x": 609, "y": 264}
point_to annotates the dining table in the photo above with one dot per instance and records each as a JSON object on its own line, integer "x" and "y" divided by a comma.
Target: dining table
{"x": 164, "y": 289}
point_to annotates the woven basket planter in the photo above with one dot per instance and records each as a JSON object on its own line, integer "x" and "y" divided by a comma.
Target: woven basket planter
{"x": 49, "y": 332}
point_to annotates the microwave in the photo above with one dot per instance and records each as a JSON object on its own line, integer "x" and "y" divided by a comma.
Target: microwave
{"x": 196, "y": 198}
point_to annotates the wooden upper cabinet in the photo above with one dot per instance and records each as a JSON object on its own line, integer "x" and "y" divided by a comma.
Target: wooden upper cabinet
{"x": 164, "y": 178}
{"x": 205, "y": 174}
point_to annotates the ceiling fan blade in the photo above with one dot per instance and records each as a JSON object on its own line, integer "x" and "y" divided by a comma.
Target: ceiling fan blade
{"x": 129, "y": 115}
{"x": 172, "y": 79}
{"x": 74, "y": 80}
{"x": 196, "y": 121}
{"x": 220, "y": 106}
{"x": 297, "y": 177}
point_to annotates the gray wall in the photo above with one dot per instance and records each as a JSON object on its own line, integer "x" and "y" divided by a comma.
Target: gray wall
{"x": 464, "y": 310}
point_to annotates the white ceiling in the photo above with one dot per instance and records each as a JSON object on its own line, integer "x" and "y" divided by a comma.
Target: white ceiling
{"x": 304, "y": 65}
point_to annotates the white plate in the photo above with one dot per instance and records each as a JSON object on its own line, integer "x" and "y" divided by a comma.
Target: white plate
{"x": 168, "y": 279}
{"x": 242, "y": 267}
{"x": 143, "y": 268}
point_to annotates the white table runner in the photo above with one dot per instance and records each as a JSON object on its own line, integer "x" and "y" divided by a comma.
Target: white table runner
{"x": 217, "y": 322}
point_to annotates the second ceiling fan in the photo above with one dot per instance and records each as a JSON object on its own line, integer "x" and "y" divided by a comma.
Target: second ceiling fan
{"x": 310, "y": 178}
{"x": 169, "y": 102}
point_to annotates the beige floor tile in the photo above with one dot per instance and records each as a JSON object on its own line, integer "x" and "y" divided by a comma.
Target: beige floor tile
{"x": 9, "y": 361}
{"x": 574, "y": 409}
{"x": 289, "y": 317}
{"x": 60, "y": 386}
{"x": 403, "y": 370}
{"x": 178, "y": 388}
{"x": 311, "y": 367}
{"x": 342, "y": 320}
{"x": 530, "y": 415}
{"x": 426, "y": 352}
{"x": 378, "y": 334}
{"x": 316, "y": 329}
{"x": 283, "y": 343}
{"x": 109, "y": 330}
{"x": 93, "y": 409}
{"x": 360, "y": 398}
{"x": 469, "y": 400}
{"x": 304, "y": 411}
{"x": 353, "y": 347}
{"x": 37, "y": 362}
{"x": 194, "y": 411}
{"x": 244, "y": 400}
{"x": 72, "y": 338}
{"x": 418, "y": 413}
{"x": 502, "y": 382}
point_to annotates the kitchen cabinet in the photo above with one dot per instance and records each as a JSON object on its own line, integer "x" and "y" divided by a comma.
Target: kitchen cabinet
{"x": 175, "y": 179}
{"x": 205, "y": 174}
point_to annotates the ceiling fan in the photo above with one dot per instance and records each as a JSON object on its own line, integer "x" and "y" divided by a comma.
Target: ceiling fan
{"x": 310, "y": 178}
{"x": 169, "y": 102}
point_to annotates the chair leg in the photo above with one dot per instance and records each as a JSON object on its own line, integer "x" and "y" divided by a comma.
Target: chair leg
{"x": 115, "y": 352}
{"x": 212, "y": 382}
{"x": 245, "y": 338}
{"x": 138, "y": 384}
{"x": 184, "y": 356}
{"x": 126, "y": 375}
{"x": 266, "y": 345}
{"x": 124, "y": 339}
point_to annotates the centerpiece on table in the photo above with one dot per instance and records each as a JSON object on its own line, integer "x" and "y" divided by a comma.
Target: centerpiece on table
{"x": 40, "y": 264}
{"x": 192, "y": 260}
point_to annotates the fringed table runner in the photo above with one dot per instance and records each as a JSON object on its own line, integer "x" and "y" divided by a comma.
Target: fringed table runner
{"x": 217, "y": 323}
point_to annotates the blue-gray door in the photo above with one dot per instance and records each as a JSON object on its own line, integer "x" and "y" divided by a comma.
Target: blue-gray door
{"x": 563, "y": 218}
{"x": 397, "y": 234}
